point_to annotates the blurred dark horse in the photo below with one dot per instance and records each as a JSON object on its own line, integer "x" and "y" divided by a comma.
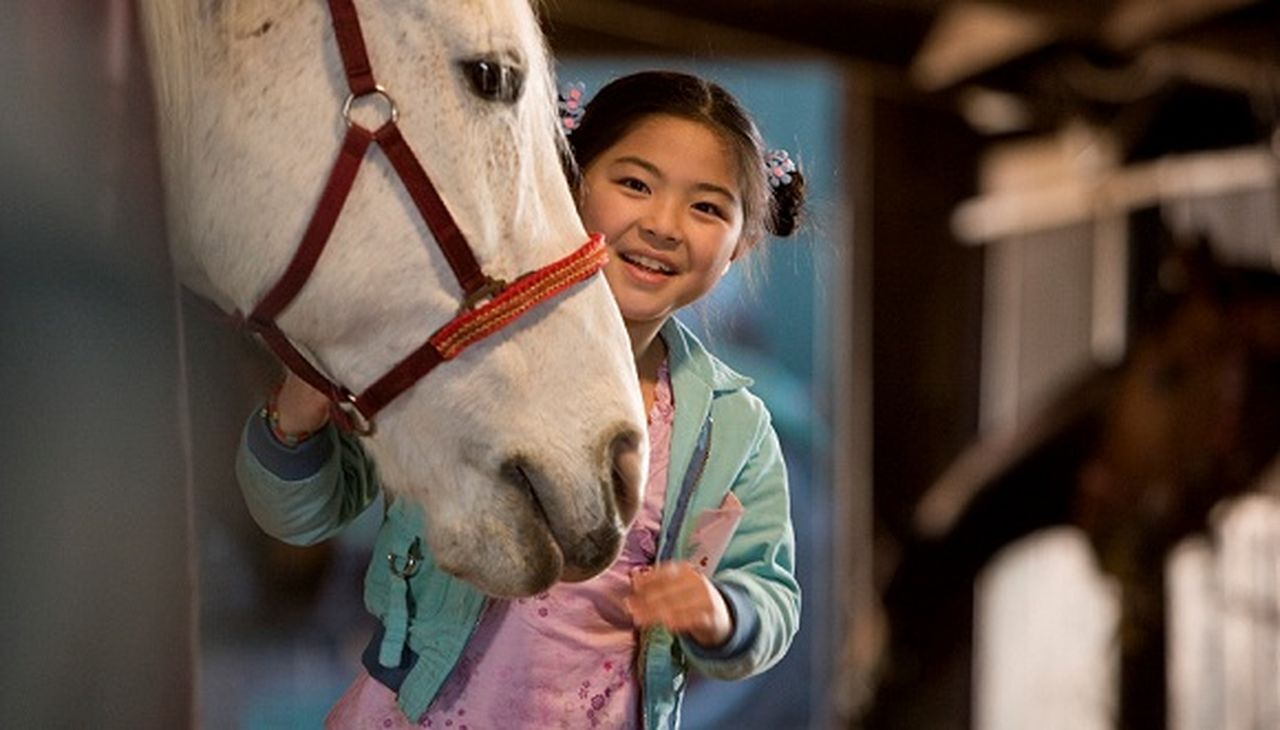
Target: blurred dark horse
{"x": 1135, "y": 456}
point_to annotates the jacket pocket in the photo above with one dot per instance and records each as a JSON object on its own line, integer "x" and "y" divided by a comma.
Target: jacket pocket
{"x": 712, "y": 531}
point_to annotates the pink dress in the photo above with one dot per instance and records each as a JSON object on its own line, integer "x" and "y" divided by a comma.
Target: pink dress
{"x": 563, "y": 658}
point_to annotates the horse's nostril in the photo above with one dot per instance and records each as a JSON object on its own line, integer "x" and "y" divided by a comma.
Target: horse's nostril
{"x": 628, "y": 473}
{"x": 596, "y": 551}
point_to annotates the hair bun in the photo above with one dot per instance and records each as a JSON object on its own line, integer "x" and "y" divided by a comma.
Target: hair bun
{"x": 786, "y": 203}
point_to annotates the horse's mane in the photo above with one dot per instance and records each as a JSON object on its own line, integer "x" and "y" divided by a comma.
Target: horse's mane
{"x": 548, "y": 88}
{"x": 175, "y": 51}
{"x": 549, "y": 79}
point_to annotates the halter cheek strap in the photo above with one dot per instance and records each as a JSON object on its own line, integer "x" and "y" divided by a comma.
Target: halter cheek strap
{"x": 488, "y": 304}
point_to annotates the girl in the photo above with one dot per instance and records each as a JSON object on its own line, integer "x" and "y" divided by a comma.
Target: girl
{"x": 671, "y": 169}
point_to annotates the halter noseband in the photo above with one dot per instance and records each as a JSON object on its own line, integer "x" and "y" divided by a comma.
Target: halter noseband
{"x": 488, "y": 304}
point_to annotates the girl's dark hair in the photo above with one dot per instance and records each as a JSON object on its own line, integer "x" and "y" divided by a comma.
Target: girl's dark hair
{"x": 625, "y": 102}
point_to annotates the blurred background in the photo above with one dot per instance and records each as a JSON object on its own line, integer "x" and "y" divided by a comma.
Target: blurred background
{"x": 1024, "y": 359}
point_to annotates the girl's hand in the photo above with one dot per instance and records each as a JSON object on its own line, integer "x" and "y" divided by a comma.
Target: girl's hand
{"x": 678, "y": 597}
{"x": 302, "y": 409}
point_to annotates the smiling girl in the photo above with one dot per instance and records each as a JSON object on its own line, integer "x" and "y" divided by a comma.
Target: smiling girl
{"x": 672, "y": 170}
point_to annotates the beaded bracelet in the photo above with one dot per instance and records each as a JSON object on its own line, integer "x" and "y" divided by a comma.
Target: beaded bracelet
{"x": 271, "y": 413}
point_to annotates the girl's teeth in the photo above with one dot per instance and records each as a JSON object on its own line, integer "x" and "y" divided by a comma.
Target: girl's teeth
{"x": 648, "y": 263}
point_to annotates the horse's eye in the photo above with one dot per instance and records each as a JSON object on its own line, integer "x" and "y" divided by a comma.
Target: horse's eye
{"x": 493, "y": 81}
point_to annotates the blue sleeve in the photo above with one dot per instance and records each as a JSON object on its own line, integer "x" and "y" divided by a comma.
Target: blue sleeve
{"x": 306, "y": 493}
{"x": 289, "y": 463}
{"x": 746, "y": 626}
{"x": 756, "y": 576}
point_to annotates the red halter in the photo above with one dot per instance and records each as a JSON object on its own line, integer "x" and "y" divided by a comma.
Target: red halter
{"x": 488, "y": 304}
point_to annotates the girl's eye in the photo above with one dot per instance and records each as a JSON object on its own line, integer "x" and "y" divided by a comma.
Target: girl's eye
{"x": 632, "y": 183}
{"x": 709, "y": 209}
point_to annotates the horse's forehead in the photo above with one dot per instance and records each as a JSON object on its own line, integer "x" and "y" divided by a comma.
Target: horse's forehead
{"x": 477, "y": 19}
{"x": 468, "y": 22}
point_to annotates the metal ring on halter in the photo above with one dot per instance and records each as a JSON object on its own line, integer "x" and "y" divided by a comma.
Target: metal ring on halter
{"x": 491, "y": 288}
{"x": 359, "y": 423}
{"x": 394, "y": 111}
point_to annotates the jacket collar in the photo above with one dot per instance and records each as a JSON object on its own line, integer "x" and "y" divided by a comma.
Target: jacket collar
{"x": 686, "y": 354}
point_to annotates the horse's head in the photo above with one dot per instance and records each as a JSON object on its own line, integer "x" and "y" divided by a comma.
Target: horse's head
{"x": 1137, "y": 455}
{"x": 1191, "y": 422}
{"x": 528, "y": 451}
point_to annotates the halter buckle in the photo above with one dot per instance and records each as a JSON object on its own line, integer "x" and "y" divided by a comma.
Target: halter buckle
{"x": 488, "y": 290}
{"x": 350, "y": 413}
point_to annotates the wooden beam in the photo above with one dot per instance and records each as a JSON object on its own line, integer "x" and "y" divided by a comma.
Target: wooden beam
{"x": 969, "y": 38}
{"x": 1136, "y": 23}
{"x": 1072, "y": 200}
{"x": 865, "y": 31}
{"x": 647, "y": 25}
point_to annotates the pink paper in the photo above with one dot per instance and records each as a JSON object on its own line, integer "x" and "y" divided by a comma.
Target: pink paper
{"x": 712, "y": 531}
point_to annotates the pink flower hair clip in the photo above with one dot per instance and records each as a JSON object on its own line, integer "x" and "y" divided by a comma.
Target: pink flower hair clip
{"x": 571, "y": 105}
{"x": 778, "y": 167}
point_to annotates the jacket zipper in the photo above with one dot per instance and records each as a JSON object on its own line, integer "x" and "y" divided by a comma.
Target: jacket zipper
{"x": 701, "y": 452}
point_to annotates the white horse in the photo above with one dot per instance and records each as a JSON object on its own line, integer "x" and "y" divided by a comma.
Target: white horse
{"x": 528, "y": 451}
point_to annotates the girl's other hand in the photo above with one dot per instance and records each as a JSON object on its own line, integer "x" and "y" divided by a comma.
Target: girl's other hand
{"x": 302, "y": 408}
{"x": 677, "y": 596}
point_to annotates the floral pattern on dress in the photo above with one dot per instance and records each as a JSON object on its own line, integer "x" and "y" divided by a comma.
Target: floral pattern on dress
{"x": 580, "y": 632}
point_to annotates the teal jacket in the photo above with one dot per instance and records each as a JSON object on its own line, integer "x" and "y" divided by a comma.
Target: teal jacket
{"x": 722, "y": 440}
